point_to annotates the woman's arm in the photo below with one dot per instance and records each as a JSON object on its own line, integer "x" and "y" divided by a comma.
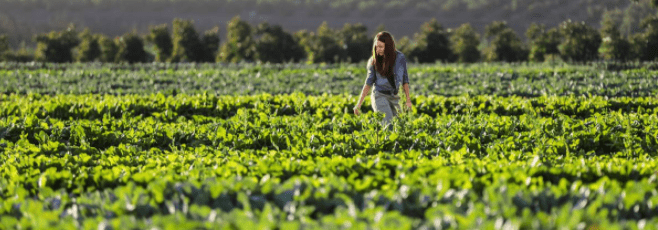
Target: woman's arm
{"x": 405, "y": 80}
{"x": 406, "y": 93}
{"x": 370, "y": 81}
{"x": 364, "y": 92}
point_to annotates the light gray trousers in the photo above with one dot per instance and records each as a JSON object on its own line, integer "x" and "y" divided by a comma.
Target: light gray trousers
{"x": 387, "y": 104}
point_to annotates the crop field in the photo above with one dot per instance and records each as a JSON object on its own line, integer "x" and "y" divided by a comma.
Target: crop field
{"x": 277, "y": 147}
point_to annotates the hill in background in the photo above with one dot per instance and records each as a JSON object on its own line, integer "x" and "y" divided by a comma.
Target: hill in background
{"x": 22, "y": 19}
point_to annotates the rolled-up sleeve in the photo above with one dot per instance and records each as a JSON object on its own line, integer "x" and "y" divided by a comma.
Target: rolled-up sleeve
{"x": 402, "y": 70}
{"x": 370, "y": 80}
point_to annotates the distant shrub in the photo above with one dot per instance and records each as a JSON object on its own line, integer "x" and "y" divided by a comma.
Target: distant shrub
{"x": 406, "y": 46}
{"x": 4, "y": 47}
{"x": 647, "y": 42}
{"x": 209, "y": 45}
{"x": 431, "y": 44}
{"x": 89, "y": 49}
{"x": 56, "y": 46}
{"x": 542, "y": 42}
{"x": 240, "y": 44}
{"x": 504, "y": 44}
{"x": 304, "y": 39}
{"x": 131, "y": 48}
{"x": 355, "y": 42}
{"x": 160, "y": 37}
{"x": 187, "y": 46}
{"x": 465, "y": 41}
{"x": 613, "y": 45}
{"x": 580, "y": 42}
{"x": 109, "y": 48}
{"x": 275, "y": 45}
{"x": 325, "y": 45}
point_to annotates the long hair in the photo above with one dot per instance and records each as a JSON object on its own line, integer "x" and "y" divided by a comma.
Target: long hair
{"x": 384, "y": 64}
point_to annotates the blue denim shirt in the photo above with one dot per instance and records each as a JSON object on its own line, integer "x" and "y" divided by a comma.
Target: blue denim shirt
{"x": 399, "y": 71}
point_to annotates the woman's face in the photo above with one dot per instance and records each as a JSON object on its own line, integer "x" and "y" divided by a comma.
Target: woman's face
{"x": 379, "y": 48}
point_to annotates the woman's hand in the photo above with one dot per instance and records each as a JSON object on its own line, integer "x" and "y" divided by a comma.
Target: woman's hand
{"x": 408, "y": 104}
{"x": 357, "y": 111}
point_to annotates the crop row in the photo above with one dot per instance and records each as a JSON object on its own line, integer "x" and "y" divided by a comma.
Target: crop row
{"x": 425, "y": 80}
{"x": 96, "y": 161}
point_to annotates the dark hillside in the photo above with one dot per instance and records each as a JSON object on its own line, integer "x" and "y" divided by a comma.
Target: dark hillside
{"x": 22, "y": 19}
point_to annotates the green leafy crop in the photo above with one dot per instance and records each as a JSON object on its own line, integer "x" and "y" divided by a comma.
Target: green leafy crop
{"x": 294, "y": 161}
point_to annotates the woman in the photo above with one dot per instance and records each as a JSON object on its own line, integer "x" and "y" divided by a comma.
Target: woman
{"x": 387, "y": 70}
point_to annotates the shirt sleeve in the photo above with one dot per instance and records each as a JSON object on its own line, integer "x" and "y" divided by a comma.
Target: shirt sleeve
{"x": 370, "y": 80}
{"x": 402, "y": 71}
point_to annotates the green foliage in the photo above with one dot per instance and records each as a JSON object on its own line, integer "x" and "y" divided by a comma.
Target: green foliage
{"x": 580, "y": 41}
{"x": 187, "y": 45}
{"x": 4, "y": 43}
{"x": 240, "y": 45}
{"x": 131, "y": 48}
{"x": 160, "y": 37}
{"x": 304, "y": 39}
{"x": 4, "y": 47}
{"x": 542, "y": 42}
{"x": 274, "y": 45}
{"x": 109, "y": 49}
{"x": 613, "y": 45}
{"x": 296, "y": 161}
{"x": 649, "y": 42}
{"x": 638, "y": 45}
{"x": 210, "y": 43}
{"x": 322, "y": 46}
{"x": 528, "y": 80}
{"x": 357, "y": 46}
{"x": 20, "y": 55}
{"x": 406, "y": 46}
{"x": 56, "y": 46}
{"x": 465, "y": 42}
{"x": 505, "y": 45}
{"x": 89, "y": 48}
{"x": 431, "y": 44}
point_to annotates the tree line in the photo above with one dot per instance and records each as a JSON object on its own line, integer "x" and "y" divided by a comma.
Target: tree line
{"x": 569, "y": 41}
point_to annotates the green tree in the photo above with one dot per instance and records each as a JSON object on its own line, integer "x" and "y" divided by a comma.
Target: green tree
{"x": 305, "y": 39}
{"x": 275, "y": 45}
{"x": 505, "y": 45}
{"x": 542, "y": 42}
{"x": 326, "y": 45}
{"x": 580, "y": 41}
{"x": 187, "y": 46}
{"x": 109, "y": 49}
{"x": 638, "y": 46}
{"x": 4, "y": 48}
{"x": 131, "y": 48}
{"x": 355, "y": 42}
{"x": 631, "y": 18}
{"x": 56, "y": 46}
{"x": 160, "y": 37}
{"x": 321, "y": 46}
{"x": 613, "y": 46}
{"x": 465, "y": 42}
{"x": 240, "y": 44}
{"x": 649, "y": 38}
{"x": 403, "y": 45}
{"x": 210, "y": 43}
{"x": 89, "y": 49}
{"x": 21, "y": 55}
{"x": 431, "y": 44}
{"x": 4, "y": 43}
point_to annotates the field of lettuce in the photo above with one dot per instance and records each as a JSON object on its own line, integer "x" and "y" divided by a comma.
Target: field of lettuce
{"x": 276, "y": 147}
